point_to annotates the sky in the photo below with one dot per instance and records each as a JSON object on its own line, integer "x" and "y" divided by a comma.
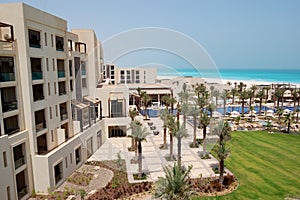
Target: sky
{"x": 235, "y": 33}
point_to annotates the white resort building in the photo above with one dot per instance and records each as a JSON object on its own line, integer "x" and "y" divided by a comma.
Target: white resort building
{"x": 53, "y": 112}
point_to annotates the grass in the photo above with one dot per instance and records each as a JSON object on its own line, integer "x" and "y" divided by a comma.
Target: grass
{"x": 266, "y": 165}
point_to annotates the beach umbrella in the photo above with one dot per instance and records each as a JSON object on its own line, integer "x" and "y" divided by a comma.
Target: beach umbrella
{"x": 287, "y": 111}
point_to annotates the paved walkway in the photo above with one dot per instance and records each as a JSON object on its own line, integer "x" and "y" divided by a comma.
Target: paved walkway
{"x": 153, "y": 157}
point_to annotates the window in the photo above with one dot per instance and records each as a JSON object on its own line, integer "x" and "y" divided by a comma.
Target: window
{"x": 70, "y": 68}
{"x": 78, "y": 155}
{"x": 40, "y": 120}
{"x": 99, "y": 138}
{"x": 61, "y": 68}
{"x": 66, "y": 161}
{"x": 58, "y": 172}
{"x": 19, "y": 158}
{"x": 34, "y": 38}
{"x": 52, "y": 136}
{"x": 59, "y": 43}
{"x": 116, "y": 131}
{"x": 47, "y": 64}
{"x": 45, "y": 34}
{"x": 9, "y": 99}
{"x": 84, "y": 85}
{"x": 54, "y": 87}
{"x": 83, "y": 68}
{"x": 53, "y": 64}
{"x": 8, "y": 193}
{"x": 52, "y": 42}
{"x": 38, "y": 92}
{"x": 62, "y": 88}
{"x": 11, "y": 125}
{"x": 36, "y": 68}
{"x": 50, "y": 112}
{"x": 71, "y": 158}
{"x": 49, "y": 89}
{"x": 21, "y": 184}
{"x": 117, "y": 108}
{"x": 71, "y": 85}
{"x": 4, "y": 159}
{"x": 56, "y": 111}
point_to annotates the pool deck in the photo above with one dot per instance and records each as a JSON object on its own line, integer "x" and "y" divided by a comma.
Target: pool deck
{"x": 154, "y": 157}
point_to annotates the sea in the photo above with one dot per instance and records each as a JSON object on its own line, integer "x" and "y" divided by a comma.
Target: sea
{"x": 265, "y": 75}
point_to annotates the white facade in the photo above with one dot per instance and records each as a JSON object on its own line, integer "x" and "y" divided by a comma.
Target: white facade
{"x": 48, "y": 109}
{"x": 135, "y": 75}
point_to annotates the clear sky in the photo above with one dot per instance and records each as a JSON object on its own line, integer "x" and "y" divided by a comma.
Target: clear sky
{"x": 236, "y": 33}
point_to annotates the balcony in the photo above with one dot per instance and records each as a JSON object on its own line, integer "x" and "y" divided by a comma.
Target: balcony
{"x": 19, "y": 162}
{"x": 40, "y": 126}
{"x": 7, "y": 69}
{"x": 11, "y": 125}
{"x": 61, "y": 74}
{"x": 40, "y": 121}
{"x": 36, "y": 68}
{"x": 63, "y": 116}
{"x": 38, "y": 92}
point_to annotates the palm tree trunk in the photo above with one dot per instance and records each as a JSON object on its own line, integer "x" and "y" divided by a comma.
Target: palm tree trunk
{"x": 224, "y": 103}
{"x": 204, "y": 139}
{"x": 165, "y": 138}
{"x": 171, "y": 146}
{"x": 132, "y": 144}
{"x": 289, "y": 125}
{"x": 243, "y": 106}
{"x": 136, "y": 148}
{"x": 260, "y": 102}
{"x": 140, "y": 159}
{"x": 232, "y": 98}
{"x": 179, "y": 151}
{"x": 221, "y": 171}
{"x": 195, "y": 131}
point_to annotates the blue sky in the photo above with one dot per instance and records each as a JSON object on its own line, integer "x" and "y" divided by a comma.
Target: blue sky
{"x": 236, "y": 33}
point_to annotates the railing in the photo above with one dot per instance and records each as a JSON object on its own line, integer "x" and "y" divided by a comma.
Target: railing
{"x": 38, "y": 98}
{"x": 83, "y": 72}
{"x": 40, "y": 126}
{"x": 8, "y": 106}
{"x": 63, "y": 116}
{"x": 58, "y": 178}
{"x": 10, "y": 131}
{"x": 62, "y": 92}
{"x": 22, "y": 192}
{"x": 7, "y": 76}
{"x": 37, "y": 75}
{"x": 61, "y": 74}
{"x": 19, "y": 162}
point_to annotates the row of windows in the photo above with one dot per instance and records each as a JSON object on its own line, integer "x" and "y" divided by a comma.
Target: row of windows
{"x": 35, "y": 40}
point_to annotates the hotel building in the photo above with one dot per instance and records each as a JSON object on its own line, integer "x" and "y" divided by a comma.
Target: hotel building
{"x": 53, "y": 112}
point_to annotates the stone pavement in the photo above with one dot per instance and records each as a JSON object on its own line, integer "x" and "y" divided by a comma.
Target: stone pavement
{"x": 154, "y": 157}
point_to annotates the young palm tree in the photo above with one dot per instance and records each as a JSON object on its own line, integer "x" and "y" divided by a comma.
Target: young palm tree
{"x": 145, "y": 98}
{"x": 172, "y": 126}
{"x": 175, "y": 185}
{"x": 222, "y": 129}
{"x": 194, "y": 113}
{"x": 244, "y": 95}
{"x": 288, "y": 120}
{"x": 224, "y": 96}
{"x": 204, "y": 120}
{"x": 180, "y": 133}
{"x": 133, "y": 113}
{"x": 139, "y": 133}
{"x": 164, "y": 115}
{"x": 252, "y": 92}
{"x": 260, "y": 94}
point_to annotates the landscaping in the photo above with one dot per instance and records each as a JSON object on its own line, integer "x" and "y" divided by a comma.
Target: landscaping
{"x": 265, "y": 164}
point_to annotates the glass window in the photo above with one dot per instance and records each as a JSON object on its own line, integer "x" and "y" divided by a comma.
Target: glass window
{"x": 34, "y": 38}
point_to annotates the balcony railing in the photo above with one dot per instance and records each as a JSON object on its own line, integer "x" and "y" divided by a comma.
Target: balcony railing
{"x": 61, "y": 74}
{"x": 62, "y": 93}
{"x": 40, "y": 126}
{"x": 37, "y": 75}
{"x": 63, "y": 116}
{"x": 83, "y": 72}
{"x": 22, "y": 192}
{"x": 58, "y": 178}
{"x": 38, "y": 98}
{"x": 7, "y": 76}
{"x": 10, "y": 131}
{"x": 9, "y": 106}
{"x": 19, "y": 162}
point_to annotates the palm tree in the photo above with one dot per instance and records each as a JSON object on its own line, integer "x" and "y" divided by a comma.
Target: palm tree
{"x": 244, "y": 95}
{"x": 211, "y": 108}
{"x": 204, "y": 121}
{"x": 233, "y": 91}
{"x": 267, "y": 88}
{"x": 164, "y": 115}
{"x": 175, "y": 185}
{"x": 260, "y": 94}
{"x": 288, "y": 120}
{"x": 252, "y": 92}
{"x": 180, "y": 133}
{"x": 145, "y": 98}
{"x": 139, "y": 133}
{"x": 216, "y": 94}
{"x": 278, "y": 94}
{"x": 295, "y": 96}
{"x": 172, "y": 125}
{"x": 279, "y": 112}
{"x": 241, "y": 87}
{"x": 223, "y": 131}
{"x": 138, "y": 105}
{"x": 184, "y": 97}
{"x": 133, "y": 113}
{"x": 224, "y": 96}
{"x": 194, "y": 112}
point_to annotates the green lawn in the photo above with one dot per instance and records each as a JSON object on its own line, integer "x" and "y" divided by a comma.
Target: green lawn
{"x": 267, "y": 165}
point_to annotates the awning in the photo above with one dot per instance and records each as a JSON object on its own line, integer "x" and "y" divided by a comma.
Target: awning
{"x": 158, "y": 91}
{"x": 91, "y": 99}
{"x": 79, "y": 104}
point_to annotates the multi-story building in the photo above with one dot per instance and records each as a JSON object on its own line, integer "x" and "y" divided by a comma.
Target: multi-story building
{"x": 50, "y": 114}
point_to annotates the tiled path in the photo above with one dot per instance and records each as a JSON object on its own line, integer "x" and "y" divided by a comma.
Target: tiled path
{"x": 153, "y": 157}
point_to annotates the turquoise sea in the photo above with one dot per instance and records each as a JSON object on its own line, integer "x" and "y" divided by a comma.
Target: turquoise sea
{"x": 268, "y": 75}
